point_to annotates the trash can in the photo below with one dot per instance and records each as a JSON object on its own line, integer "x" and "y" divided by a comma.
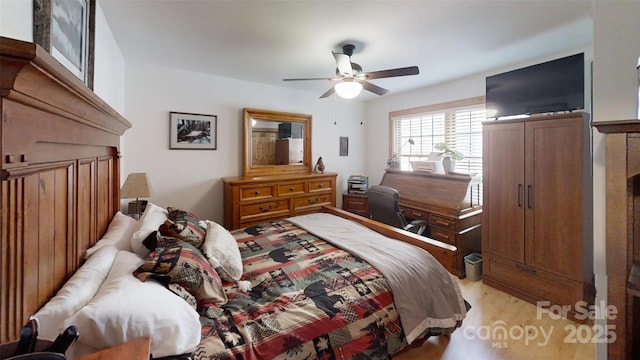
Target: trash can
{"x": 473, "y": 266}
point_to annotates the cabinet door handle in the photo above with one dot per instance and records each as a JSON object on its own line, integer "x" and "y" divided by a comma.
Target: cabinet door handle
{"x": 267, "y": 208}
{"x": 519, "y": 195}
{"x": 529, "y": 190}
{"x": 313, "y": 201}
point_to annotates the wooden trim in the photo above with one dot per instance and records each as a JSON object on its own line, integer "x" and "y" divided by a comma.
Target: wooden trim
{"x": 622, "y": 169}
{"x": 444, "y": 253}
{"x": 438, "y": 107}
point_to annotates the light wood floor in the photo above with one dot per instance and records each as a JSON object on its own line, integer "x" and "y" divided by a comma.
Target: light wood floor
{"x": 490, "y": 306}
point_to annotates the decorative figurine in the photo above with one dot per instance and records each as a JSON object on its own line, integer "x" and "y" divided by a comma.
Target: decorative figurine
{"x": 319, "y": 166}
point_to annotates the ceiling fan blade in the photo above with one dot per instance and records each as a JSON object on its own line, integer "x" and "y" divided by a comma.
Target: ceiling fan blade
{"x": 411, "y": 70}
{"x": 304, "y": 79}
{"x": 344, "y": 64}
{"x": 373, "y": 88}
{"x": 328, "y": 93}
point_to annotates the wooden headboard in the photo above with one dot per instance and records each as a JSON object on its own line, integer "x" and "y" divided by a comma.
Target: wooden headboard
{"x": 60, "y": 177}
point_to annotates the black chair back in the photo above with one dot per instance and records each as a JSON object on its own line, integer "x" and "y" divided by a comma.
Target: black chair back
{"x": 383, "y": 206}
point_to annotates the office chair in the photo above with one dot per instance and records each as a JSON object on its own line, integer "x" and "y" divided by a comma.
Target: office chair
{"x": 383, "y": 207}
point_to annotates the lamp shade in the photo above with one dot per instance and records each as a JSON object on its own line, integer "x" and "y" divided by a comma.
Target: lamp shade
{"x": 136, "y": 186}
{"x": 348, "y": 89}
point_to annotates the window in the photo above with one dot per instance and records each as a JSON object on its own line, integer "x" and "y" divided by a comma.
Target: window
{"x": 456, "y": 123}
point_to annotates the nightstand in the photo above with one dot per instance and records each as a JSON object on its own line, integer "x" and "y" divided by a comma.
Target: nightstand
{"x": 355, "y": 203}
{"x": 133, "y": 350}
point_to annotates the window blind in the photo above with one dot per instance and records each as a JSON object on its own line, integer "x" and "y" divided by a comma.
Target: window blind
{"x": 456, "y": 123}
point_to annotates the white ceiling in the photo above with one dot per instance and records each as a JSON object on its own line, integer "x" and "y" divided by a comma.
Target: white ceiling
{"x": 267, "y": 41}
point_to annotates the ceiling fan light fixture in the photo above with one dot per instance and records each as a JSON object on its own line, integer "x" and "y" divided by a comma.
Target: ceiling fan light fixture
{"x": 348, "y": 89}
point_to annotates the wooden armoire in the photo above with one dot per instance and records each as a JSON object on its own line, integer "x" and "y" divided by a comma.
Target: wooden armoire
{"x": 536, "y": 227}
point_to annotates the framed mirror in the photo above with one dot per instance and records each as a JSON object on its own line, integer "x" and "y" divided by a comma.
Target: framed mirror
{"x": 276, "y": 142}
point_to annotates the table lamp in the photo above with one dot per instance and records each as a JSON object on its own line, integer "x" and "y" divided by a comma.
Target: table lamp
{"x": 136, "y": 186}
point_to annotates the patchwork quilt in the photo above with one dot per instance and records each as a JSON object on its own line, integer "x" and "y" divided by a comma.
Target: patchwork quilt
{"x": 309, "y": 300}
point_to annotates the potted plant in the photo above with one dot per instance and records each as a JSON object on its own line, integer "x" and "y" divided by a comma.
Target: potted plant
{"x": 449, "y": 157}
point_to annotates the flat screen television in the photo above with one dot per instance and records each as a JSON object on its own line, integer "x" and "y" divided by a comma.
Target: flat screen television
{"x": 552, "y": 86}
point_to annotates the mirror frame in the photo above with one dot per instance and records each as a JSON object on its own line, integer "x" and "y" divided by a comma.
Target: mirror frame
{"x": 275, "y": 116}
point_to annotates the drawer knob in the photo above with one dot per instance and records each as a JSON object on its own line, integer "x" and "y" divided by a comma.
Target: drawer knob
{"x": 257, "y": 192}
{"x": 320, "y": 185}
{"x": 291, "y": 188}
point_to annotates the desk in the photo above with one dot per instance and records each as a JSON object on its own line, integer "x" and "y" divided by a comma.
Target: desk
{"x": 449, "y": 203}
{"x": 133, "y": 350}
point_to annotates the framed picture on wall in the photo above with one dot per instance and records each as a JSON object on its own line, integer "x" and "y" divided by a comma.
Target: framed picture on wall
{"x": 193, "y": 131}
{"x": 66, "y": 29}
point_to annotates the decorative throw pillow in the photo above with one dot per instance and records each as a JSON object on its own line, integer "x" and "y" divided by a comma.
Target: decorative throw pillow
{"x": 149, "y": 222}
{"x": 184, "y": 265}
{"x": 221, "y": 249}
{"x": 155, "y": 240}
{"x": 183, "y": 225}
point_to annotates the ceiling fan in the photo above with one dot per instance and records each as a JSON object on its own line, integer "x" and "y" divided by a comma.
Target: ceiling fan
{"x": 351, "y": 79}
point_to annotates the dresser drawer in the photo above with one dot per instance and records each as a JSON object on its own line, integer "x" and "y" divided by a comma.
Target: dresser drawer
{"x": 256, "y": 192}
{"x": 267, "y": 208}
{"x": 442, "y": 222}
{"x": 355, "y": 204}
{"x": 443, "y": 235}
{"x": 537, "y": 284}
{"x": 311, "y": 201}
{"x": 291, "y": 188}
{"x": 320, "y": 185}
{"x": 414, "y": 214}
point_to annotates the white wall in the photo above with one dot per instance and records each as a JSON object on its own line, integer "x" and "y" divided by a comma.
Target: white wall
{"x": 16, "y": 19}
{"x": 191, "y": 179}
{"x": 108, "y": 77}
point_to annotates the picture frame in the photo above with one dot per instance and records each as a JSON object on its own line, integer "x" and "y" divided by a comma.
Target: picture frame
{"x": 190, "y": 131}
{"x": 66, "y": 30}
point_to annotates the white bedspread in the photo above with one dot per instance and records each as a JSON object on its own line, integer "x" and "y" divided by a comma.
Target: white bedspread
{"x": 424, "y": 292}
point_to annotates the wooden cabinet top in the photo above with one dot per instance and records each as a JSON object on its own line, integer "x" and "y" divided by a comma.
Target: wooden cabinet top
{"x": 431, "y": 191}
{"x": 240, "y": 180}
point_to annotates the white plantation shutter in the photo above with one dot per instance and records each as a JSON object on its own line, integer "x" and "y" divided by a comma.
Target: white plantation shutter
{"x": 457, "y": 123}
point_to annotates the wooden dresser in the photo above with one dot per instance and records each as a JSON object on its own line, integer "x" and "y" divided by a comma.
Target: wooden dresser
{"x": 252, "y": 200}
{"x": 449, "y": 203}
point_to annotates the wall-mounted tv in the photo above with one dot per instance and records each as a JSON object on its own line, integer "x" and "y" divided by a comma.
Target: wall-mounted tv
{"x": 552, "y": 86}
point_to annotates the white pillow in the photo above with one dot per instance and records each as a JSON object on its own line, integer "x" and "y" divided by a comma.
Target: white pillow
{"x": 221, "y": 249}
{"x": 150, "y": 221}
{"x": 75, "y": 293}
{"x": 118, "y": 234}
{"x": 126, "y": 308}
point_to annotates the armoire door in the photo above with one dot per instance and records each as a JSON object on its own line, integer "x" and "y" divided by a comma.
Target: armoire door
{"x": 504, "y": 196}
{"x": 554, "y": 153}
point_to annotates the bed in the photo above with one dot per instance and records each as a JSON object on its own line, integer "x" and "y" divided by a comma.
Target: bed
{"x": 62, "y": 172}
